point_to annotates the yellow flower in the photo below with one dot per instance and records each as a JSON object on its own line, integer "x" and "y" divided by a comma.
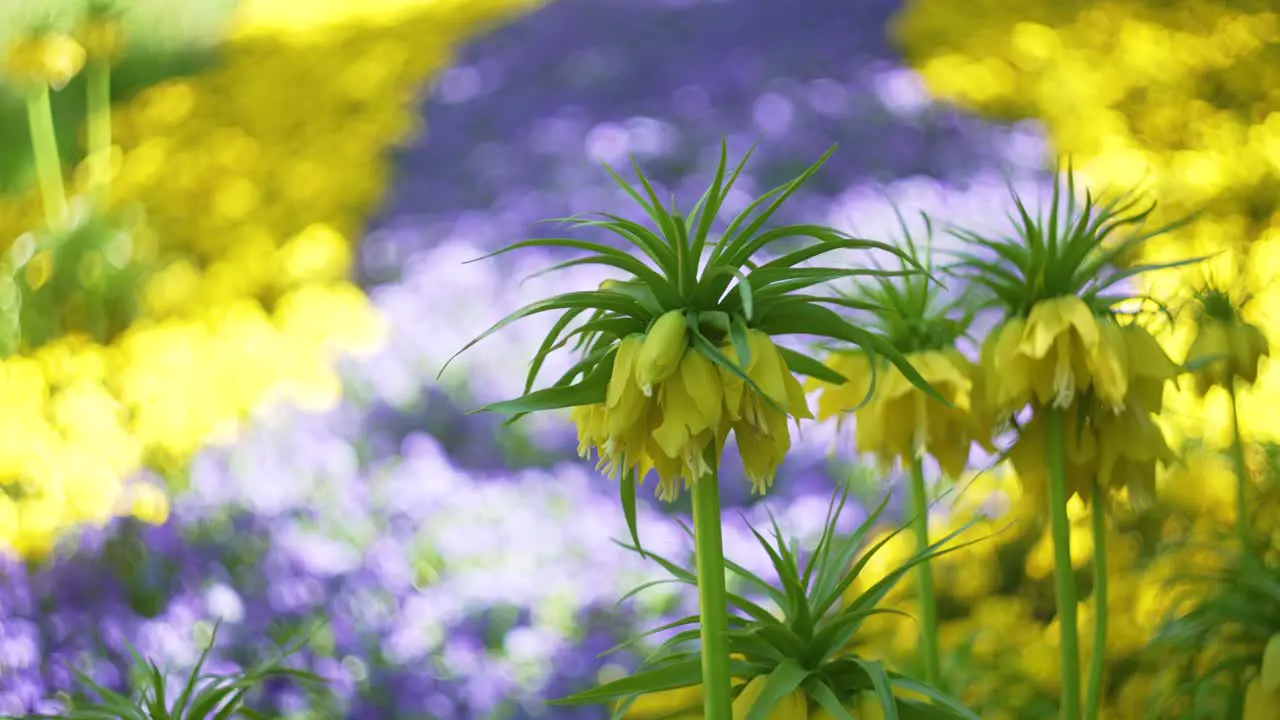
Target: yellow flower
{"x": 689, "y": 411}
{"x": 45, "y": 59}
{"x": 1228, "y": 350}
{"x": 1032, "y": 447}
{"x": 792, "y": 707}
{"x": 1149, "y": 369}
{"x": 900, "y": 421}
{"x": 664, "y": 703}
{"x": 1129, "y": 446}
{"x": 1058, "y": 351}
{"x": 761, "y": 430}
{"x": 663, "y": 347}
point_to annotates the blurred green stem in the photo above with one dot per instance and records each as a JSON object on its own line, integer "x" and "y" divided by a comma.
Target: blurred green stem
{"x": 1093, "y": 691}
{"x": 98, "y": 98}
{"x": 1063, "y": 576}
{"x": 928, "y": 602}
{"x": 712, "y": 597}
{"x": 1242, "y": 472}
{"x": 44, "y": 151}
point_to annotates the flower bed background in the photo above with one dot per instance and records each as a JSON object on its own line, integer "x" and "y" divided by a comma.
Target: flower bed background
{"x": 460, "y": 569}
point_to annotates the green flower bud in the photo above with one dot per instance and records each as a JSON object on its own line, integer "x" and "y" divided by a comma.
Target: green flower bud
{"x": 663, "y": 348}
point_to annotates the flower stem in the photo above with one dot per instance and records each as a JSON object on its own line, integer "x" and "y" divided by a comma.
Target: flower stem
{"x": 712, "y": 600}
{"x": 1242, "y": 472}
{"x": 928, "y": 602}
{"x": 44, "y": 150}
{"x": 1093, "y": 691}
{"x": 1063, "y": 576}
{"x": 98, "y": 100}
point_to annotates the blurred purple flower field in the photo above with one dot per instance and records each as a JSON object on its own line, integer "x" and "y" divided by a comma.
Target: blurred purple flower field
{"x": 457, "y": 568}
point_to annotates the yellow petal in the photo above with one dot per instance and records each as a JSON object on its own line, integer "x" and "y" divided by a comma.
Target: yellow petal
{"x": 623, "y": 368}
{"x": 835, "y": 399}
{"x": 1009, "y": 373}
{"x": 1109, "y": 365}
{"x": 1050, "y": 319}
{"x": 766, "y": 367}
{"x": 1271, "y": 665}
{"x": 797, "y": 404}
{"x": 1248, "y": 345}
{"x": 699, "y": 377}
{"x": 792, "y": 707}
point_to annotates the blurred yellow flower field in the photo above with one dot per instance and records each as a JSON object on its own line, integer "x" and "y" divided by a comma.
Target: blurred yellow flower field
{"x": 256, "y": 176}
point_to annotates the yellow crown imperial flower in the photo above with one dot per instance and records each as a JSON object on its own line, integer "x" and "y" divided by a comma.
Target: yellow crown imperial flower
{"x": 900, "y": 422}
{"x": 44, "y": 59}
{"x": 1060, "y": 351}
{"x": 1225, "y": 348}
{"x": 1055, "y": 280}
{"x": 894, "y": 419}
{"x": 680, "y": 354}
{"x": 673, "y": 360}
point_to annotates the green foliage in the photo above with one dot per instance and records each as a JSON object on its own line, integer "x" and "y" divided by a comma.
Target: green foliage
{"x": 1077, "y": 250}
{"x": 908, "y": 307}
{"x": 805, "y": 644}
{"x": 1223, "y": 635}
{"x": 203, "y": 696}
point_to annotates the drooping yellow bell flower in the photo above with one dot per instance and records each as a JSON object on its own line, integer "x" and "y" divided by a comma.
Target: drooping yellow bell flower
{"x": 1057, "y": 352}
{"x": 45, "y": 59}
{"x": 1032, "y": 447}
{"x": 1149, "y": 369}
{"x": 761, "y": 430}
{"x": 795, "y": 706}
{"x": 1228, "y": 349}
{"x": 691, "y": 407}
{"x": 1129, "y": 446}
{"x": 901, "y": 422}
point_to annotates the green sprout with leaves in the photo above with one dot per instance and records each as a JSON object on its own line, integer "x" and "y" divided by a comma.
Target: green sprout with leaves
{"x": 204, "y": 696}
{"x": 799, "y": 656}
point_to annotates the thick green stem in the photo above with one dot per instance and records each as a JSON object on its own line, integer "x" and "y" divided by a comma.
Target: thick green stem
{"x": 1242, "y": 472}
{"x": 712, "y": 598}
{"x": 98, "y": 99}
{"x": 44, "y": 150}
{"x": 1093, "y": 691}
{"x": 1064, "y": 583}
{"x": 928, "y": 602}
